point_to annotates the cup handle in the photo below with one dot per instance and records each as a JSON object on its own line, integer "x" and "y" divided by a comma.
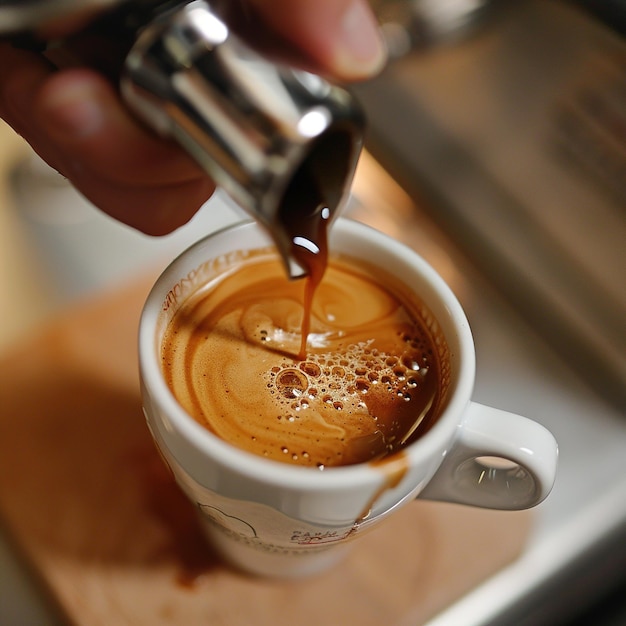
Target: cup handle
{"x": 498, "y": 460}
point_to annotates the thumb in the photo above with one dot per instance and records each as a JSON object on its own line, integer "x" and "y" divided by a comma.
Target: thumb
{"x": 340, "y": 38}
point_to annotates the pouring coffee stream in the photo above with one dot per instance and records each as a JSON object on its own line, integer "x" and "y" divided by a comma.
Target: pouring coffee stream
{"x": 305, "y": 218}
{"x": 311, "y": 252}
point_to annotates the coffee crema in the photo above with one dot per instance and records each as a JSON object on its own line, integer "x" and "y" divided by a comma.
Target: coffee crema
{"x": 371, "y": 381}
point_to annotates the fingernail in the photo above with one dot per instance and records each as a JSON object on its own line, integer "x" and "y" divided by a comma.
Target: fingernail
{"x": 72, "y": 112}
{"x": 360, "y": 48}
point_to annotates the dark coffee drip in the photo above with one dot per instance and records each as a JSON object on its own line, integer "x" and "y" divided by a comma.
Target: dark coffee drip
{"x": 312, "y": 253}
{"x": 305, "y": 216}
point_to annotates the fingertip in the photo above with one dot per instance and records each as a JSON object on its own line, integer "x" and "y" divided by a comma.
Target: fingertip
{"x": 339, "y": 38}
{"x": 360, "y": 51}
{"x": 154, "y": 210}
{"x": 72, "y": 105}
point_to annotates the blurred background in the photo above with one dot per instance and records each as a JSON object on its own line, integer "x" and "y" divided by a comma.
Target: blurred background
{"x": 497, "y": 149}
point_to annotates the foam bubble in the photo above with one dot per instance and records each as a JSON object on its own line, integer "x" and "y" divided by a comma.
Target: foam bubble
{"x": 291, "y": 383}
{"x": 345, "y": 382}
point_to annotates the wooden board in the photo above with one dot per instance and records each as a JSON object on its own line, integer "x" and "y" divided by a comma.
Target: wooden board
{"x": 92, "y": 508}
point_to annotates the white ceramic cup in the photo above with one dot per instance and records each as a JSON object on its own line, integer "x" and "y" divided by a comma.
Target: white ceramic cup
{"x": 276, "y": 519}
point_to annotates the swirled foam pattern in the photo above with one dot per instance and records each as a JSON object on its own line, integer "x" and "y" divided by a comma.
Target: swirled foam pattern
{"x": 367, "y": 386}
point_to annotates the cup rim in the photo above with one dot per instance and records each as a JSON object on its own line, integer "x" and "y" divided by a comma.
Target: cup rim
{"x": 455, "y": 328}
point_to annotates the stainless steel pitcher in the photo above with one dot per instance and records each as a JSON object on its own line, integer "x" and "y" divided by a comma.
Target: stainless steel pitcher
{"x": 257, "y": 127}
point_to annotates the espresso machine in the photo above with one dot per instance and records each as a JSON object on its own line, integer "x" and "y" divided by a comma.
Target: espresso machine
{"x": 505, "y": 120}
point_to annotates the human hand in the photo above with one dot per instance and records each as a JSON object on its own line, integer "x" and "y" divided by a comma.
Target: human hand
{"x": 76, "y": 122}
